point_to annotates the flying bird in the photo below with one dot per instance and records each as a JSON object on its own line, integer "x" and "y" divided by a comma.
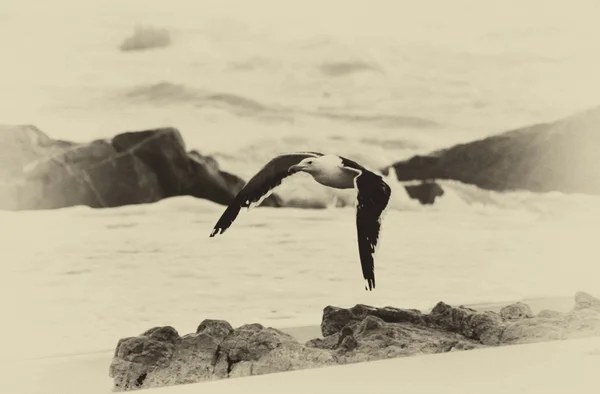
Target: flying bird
{"x": 373, "y": 195}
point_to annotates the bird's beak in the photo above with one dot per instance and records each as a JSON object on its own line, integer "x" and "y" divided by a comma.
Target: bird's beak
{"x": 296, "y": 168}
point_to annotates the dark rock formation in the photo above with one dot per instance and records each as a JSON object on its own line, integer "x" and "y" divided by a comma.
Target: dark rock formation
{"x": 334, "y": 318}
{"x": 516, "y": 311}
{"x": 515, "y": 323}
{"x": 161, "y": 357}
{"x": 163, "y": 151}
{"x": 21, "y": 145}
{"x": 417, "y": 168}
{"x": 94, "y": 175}
{"x": 134, "y": 167}
{"x": 224, "y": 185}
{"x": 557, "y": 156}
{"x": 373, "y": 338}
{"x": 426, "y": 192}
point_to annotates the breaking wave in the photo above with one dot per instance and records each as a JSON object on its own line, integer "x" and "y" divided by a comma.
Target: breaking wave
{"x": 458, "y": 200}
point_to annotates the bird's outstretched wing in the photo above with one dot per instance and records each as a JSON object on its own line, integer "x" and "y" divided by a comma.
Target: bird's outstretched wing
{"x": 373, "y": 195}
{"x": 260, "y": 186}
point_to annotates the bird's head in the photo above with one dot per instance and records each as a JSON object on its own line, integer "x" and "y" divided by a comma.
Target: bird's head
{"x": 314, "y": 165}
{"x": 309, "y": 165}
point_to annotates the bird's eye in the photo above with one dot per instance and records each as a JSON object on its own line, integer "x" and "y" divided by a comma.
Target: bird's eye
{"x": 309, "y": 162}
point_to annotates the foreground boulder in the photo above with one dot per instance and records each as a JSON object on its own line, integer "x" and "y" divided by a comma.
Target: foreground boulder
{"x": 514, "y": 323}
{"x": 131, "y": 168}
{"x": 161, "y": 357}
{"x": 558, "y": 156}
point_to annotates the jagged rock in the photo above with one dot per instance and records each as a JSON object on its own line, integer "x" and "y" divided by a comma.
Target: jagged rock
{"x": 582, "y": 321}
{"x": 419, "y": 167}
{"x": 485, "y": 327}
{"x": 252, "y": 341}
{"x": 347, "y": 343}
{"x": 532, "y": 330}
{"x": 162, "y": 150}
{"x": 93, "y": 175}
{"x": 334, "y": 318}
{"x": 160, "y": 357}
{"x": 329, "y": 342}
{"x": 557, "y": 156}
{"x": 136, "y": 358}
{"x": 21, "y": 145}
{"x": 216, "y": 328}
{"x": 179, "y": 172}
{"x": 146, "y": 350}
{"x": 163, "y": 334}
{"x": 223, "y": 191}
{"x": 253, "y": 349}
{"x": 586, "y": 301}
{"x": 425, "y": 192}
{"x": 224, "y": 185}
{"x": 131, "y": 168}
{"x": 518, "y": 310}
{"x": 375, "y": 339}
{"x": 515, "y": 323}
{"x": 290, "y": 356}
{"x": 241, "y": 369}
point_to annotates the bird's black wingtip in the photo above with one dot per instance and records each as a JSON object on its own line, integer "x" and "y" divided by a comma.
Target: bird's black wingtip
{"x": 216, "y": 231}
{"x": 370, "y": 285}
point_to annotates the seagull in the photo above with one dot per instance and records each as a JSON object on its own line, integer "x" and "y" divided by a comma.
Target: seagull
{"x": 334, "y": 171}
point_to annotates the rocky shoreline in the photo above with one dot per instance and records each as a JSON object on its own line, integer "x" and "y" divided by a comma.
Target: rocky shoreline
{"x": 556, "y": 156}
{"x": 146, "y": 166}
{"x": 131, "y": 168}
{"x": 135, "y": 167}
{"x": 162, "y": 357}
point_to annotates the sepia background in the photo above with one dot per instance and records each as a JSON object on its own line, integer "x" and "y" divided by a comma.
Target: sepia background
{"x": 374, "y": 81}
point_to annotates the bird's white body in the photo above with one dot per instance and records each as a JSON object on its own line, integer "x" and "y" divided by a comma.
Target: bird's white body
{"x": 329, "y": 171}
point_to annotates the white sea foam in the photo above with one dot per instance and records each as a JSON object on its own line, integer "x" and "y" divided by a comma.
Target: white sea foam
{"x": 89, "y": 277}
